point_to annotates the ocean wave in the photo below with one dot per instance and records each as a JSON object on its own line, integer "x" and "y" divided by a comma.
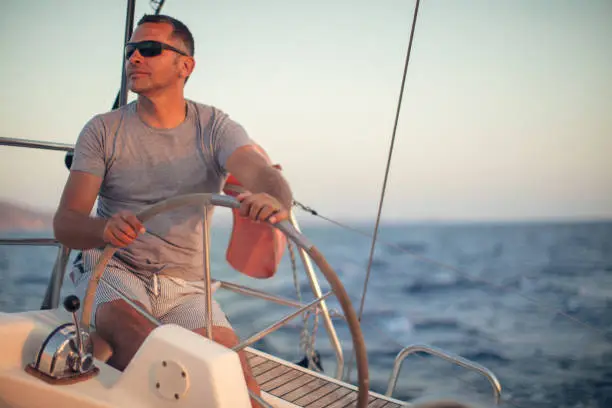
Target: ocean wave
{"x": 437, "y": 324}
{"x": 31, "y": 280}
{"x": 428, "y": 286}
{"x": 379, "y": 264}
{"x": 403, "y": 247}
{"x": 486, "y": 357}
{"x": 542, "y": 359}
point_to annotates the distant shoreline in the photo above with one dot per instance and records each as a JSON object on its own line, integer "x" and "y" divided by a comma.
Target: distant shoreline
{"x": 16, "y": 217}
{"x": 20, "y": 218}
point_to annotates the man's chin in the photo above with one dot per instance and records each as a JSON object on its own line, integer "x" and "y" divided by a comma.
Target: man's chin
{"x": 138, "y": 87}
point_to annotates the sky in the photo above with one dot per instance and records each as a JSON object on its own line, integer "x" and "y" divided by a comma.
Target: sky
{"x": 505, "y": 113}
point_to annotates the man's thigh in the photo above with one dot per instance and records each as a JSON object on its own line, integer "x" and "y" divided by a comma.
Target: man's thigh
{"x": 184, "y": 304}
{"x": 129, "y": 284}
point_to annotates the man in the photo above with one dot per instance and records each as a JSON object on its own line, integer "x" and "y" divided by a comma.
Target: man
{"x": 158, "y": 147}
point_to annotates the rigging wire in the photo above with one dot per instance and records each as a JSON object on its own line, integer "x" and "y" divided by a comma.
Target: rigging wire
{"x": 387, "y": 168}
{"x": 307, "y": 339}
{"x": 157, "y": 5}
{"x": 458, "y": 271}
{"x": 386, "y": 178}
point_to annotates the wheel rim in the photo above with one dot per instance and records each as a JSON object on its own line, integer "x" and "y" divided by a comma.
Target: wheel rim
{"x": 204, "y": 199}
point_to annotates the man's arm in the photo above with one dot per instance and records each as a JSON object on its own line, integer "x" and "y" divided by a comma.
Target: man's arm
{"x": 254, "y": 171}
{"x": 75, "y": 228}
{"x": 72, "y": 224}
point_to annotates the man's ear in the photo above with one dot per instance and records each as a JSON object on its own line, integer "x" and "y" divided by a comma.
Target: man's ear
{"x": 187, "y": 67}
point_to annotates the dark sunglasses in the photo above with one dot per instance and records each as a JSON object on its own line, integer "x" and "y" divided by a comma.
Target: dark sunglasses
{"x": 149, "y": 49}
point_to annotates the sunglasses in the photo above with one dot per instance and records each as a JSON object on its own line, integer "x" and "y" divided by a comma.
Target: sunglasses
{"x": 149, "y": 49}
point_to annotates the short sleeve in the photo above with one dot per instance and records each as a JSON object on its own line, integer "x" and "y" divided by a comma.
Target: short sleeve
{"x": 228, "y": 136}
{"x": 89, "y": 154}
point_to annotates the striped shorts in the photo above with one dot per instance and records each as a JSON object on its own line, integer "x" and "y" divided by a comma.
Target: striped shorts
{"x": 168, "y": 299}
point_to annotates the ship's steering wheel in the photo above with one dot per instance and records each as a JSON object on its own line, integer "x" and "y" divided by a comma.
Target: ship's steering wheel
{"x": 291, "y": 233}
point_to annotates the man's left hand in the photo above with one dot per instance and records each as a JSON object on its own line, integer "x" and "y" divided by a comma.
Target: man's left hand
{"x": 262, "y": 207}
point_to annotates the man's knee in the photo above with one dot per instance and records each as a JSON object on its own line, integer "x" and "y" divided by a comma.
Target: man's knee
{"x": 123, "y": 328}
{"x": 118, "y": 319}
{"x": 222, "y": 335}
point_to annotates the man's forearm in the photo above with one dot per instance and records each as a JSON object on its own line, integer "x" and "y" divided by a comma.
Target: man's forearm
{"x": 271, "y": 181}
{"x": 78, "y": 231}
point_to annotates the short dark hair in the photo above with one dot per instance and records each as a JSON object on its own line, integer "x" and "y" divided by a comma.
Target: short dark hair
{"x": 179, "y": 29}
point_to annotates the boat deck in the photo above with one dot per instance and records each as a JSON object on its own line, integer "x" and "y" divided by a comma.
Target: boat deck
{"x": 306, "y": 388}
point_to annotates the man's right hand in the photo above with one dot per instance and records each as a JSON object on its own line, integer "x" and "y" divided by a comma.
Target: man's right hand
{"x": 121, "y": 229}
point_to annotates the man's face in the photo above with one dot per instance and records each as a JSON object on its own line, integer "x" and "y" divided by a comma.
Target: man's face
{"x": 146, "y": 75}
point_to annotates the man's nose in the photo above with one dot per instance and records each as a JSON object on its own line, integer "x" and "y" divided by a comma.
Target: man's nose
{"x": 136, "y": 57}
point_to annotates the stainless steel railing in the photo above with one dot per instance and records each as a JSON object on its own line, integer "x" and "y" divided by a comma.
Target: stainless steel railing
{"x": 35, "y": 144}
{"x": 207, "y": 277}
{"x": 30, "y": 241}
{"x": 280, "y": 323}
{"x": 55, "y": 284}
{"x": 455, "y": 359}
{"x": 52, "y": 294}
